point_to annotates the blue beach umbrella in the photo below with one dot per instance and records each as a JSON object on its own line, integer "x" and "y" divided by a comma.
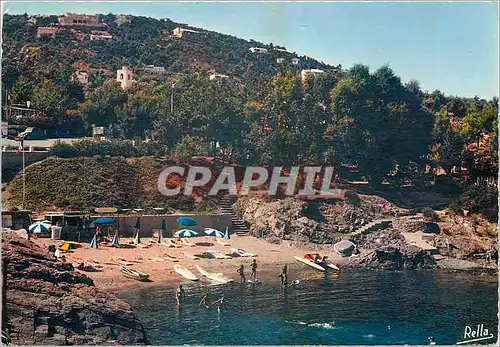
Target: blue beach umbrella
{"x": 104, "y": 220}
{"x": 214, "y": 232}
{"x": 40, "y": 227}
{"x": 187, "y": 221}
{"x": 186, "y": 233}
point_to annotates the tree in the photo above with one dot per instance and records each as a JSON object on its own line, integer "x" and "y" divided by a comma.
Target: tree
{"x": 100, "y": 104}
{"x": 136, "y": 116}
{"x": 187, "y": 148}
{"x": 378, "y": 123}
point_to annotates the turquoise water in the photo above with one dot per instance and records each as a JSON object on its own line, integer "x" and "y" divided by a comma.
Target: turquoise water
{"x": 356, "y": 308}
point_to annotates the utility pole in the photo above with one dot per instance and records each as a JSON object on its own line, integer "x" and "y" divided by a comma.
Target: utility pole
{"x": 172, "y": 98}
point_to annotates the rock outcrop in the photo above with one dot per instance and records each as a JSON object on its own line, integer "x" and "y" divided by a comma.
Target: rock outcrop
{"x": 49, "y": 303}
{"x": 318, "y": 222}
{"x": 388, "y": 249}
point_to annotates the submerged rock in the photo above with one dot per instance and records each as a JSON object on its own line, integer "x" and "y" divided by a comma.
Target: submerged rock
{"x": 48, "y": 303}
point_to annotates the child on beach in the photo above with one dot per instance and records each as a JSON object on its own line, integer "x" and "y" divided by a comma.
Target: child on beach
{"x": 241, "y": 271}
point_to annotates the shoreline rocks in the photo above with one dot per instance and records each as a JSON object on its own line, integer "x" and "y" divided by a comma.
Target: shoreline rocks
{"x": 327, "y": 222}
{"x": 49, "y": 303}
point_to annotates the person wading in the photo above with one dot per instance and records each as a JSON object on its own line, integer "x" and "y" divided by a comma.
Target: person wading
{"x": 241, "y": 271}
{"x": 284, "y": 275}
{"x": 179, "y": 295}
{"x": 253, "y": 276}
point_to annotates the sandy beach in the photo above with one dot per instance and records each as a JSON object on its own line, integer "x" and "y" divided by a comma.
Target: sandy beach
{"x": 158, "y": 260}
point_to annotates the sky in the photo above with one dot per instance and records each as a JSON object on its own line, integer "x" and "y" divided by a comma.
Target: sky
{"x": 450, "y": 46}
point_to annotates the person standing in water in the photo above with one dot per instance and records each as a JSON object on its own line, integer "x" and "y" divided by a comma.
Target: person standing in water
{"x": 253, "y": 276}
{"x": 241, "y": 271}
{"x": 432, "y": 341}
{"x": 179, "y": 295}
{"x": 284, "y": 275}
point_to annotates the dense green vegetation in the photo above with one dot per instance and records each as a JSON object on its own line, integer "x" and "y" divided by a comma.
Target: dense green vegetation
{"x": 263, "y": 113}
{"x": 98, "y": 182}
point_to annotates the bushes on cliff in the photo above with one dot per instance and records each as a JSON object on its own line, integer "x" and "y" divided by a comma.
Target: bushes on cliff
{"x": 113, "y": 148}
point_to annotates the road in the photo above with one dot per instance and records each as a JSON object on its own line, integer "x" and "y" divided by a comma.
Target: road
{"x": 38, "y": 143}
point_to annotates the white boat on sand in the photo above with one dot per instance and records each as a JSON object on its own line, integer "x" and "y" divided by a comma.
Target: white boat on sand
{"x": 185, "y": 273}
{"x": 217, "y": 277}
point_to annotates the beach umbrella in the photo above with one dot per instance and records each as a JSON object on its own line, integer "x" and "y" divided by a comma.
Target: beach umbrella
{"x": 226, "y": 235}
{"x": 160, "y": 236}
{"x": 116, "y": 239}
{"x": 40, "y": 227}
{"x": 94, "y": 243}
{"x": 214, "y": 232}
{"x": 186, "y": 233}
{"x": 187, "y": 221}
{"x": 160, "y": 232}
{"x": 137, "y": 238}
{"x": 104, "y": 220}
{"x": 70, "y": 245}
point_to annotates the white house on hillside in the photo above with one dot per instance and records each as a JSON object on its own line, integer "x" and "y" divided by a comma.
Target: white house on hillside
{"x": 215, "y": 76}
{"x": 304, "y": 74}
{"x": 125, "y": 77}
{"x": 258, "y": 50}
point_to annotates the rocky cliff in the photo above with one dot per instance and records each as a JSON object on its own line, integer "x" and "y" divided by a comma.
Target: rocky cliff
{"x": 453, "y": 239}
{"x": 49, "y": 303}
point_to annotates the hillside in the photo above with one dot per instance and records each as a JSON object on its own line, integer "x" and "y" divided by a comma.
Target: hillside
{"x": 86, "y": 183}
{"x": 143, "y": 41}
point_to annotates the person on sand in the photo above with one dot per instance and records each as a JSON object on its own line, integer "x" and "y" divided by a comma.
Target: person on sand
{"x": 241, "y": 271}
{"x": 253, "y": 276}
{"x": 179, "y": 295}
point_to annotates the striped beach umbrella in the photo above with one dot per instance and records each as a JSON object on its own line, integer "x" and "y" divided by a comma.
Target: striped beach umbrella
{"x": 40, "y": 227}
{"x": 94, "y": 243}
{"x": 116, "y": 239}
{"x": 214, "y": 232}
{"x": 186, "y": 233}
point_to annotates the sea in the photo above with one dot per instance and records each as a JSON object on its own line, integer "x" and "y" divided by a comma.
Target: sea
{"x": 357, "y": 307}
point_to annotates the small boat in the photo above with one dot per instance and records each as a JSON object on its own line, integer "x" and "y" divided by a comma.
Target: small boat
{"x": 217, "y": 277}
{"x": 310, "y": 263}
{"x": 134, "y": 274}
{"x": 323, "y": 261}
{"x": 185, "y": 273}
